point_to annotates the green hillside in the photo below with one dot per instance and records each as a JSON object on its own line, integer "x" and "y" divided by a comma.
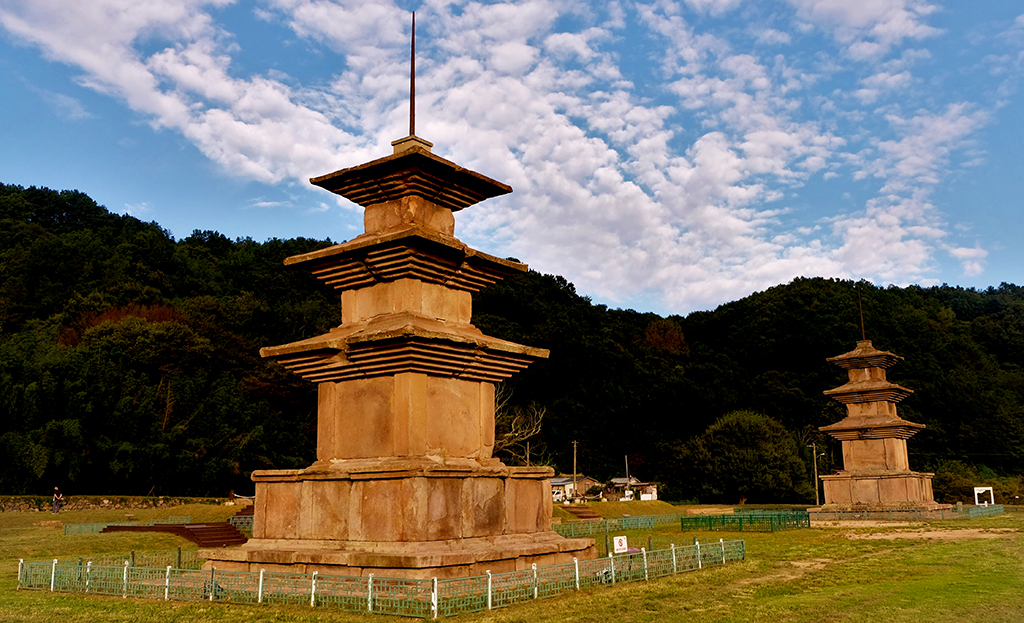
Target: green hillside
{"x": 129, "y": 365}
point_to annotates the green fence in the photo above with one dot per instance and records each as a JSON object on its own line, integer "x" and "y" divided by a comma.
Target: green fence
{"x": 984, "y": 511}
{"x": 750, "y": 522}
{"x": 573, "y": 529}
{"x": 179, "y": 559}
{"x": 402, "y": 597}
{"x": 85, "y": 528}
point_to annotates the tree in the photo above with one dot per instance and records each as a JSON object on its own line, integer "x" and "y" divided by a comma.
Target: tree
{"x": 746, "y": 456}
{"x": 515, "y": 427}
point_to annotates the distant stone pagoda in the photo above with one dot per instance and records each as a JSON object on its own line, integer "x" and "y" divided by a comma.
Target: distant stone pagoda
{"x": 876, "y": 472}
{"x": 404, "y": 484}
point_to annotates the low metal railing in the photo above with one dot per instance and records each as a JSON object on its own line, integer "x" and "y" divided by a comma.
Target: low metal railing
{"x": 573, "y": 529}
{"x": 428, "y": 598}
{"x": 748, "y": 522}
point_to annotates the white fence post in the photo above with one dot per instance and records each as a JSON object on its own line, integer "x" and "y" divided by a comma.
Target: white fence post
{"x": 722, "y": 541}
{"x": 433, "y": 597}
{"x": 167, "y": 583}
{"x": 312, "y": 591}
{"x": 611, "y": 564}
{"x": 21, "y": 564}
{"x": 124, "y": 585}
{"x": 53, "y": 574}
{"x": 369, "y": 593}
{"x": 88, "y": 575}
{"x": 576, "y": 564}
{"x": 700, "y": 563}
{"x": 644, "y": 552}
{"x": 673, "y": 547}
{"x": 259, "y": 592}
{"x": 535, "y": 592}
{"x": 488, "y": 589}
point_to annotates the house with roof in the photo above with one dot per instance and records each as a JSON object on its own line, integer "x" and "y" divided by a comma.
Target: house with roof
{"x": 632, "y": 489}
{"x": 562, "y": 486}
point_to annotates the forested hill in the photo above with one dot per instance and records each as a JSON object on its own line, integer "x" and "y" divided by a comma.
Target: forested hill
{"x": 129, "y": 364}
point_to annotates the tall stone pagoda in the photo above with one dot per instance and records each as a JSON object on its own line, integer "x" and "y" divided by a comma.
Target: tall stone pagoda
{"x": 404, "y": 484}
{"x": 876, "y": 471}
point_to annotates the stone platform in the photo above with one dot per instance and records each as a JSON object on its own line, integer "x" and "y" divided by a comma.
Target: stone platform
{"x": 407, "y": 517}
{"x": 880, "y": 492}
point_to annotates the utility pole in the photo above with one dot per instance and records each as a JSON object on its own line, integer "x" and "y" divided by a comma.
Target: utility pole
{"x": 628, "y": 488}
{"x": 574, "y": 494}
{"x": 814, "y": 454}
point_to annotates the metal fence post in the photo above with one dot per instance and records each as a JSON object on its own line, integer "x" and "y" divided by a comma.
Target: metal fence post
{"x": 576, "y": 565}
{"x": 700, "y": 563}
{"x": 674, "y": 568}
{"x": 178, "y": 565}
{"x": 88, "y": 575}
{"x": 21, "y": 565}
{"x": 536, "y": 592}
{"x": 167, "y": 583}
{"x": 488, "y": 589}
{"x": 133, "y": 558}
{"x": 259, "y": 593}
{"x": 312, "y": 591}
{"x": 611, "y": 563}
{"x": 433, "y": 597}
{"x": 213, "y": 581}
{"x": 53, "y": 574}
{"x": 722, "y": 541}
{"x": 644, "y": 552}
{"x": 124, "y": 585}
{"x": 369, "y": 593}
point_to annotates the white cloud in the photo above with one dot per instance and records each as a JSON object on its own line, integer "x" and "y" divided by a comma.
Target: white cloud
{"x": 870, "y": 28}
{"x": 680, "y": 193}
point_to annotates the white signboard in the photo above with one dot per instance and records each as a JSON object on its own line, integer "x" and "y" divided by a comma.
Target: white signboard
{"x": 621, "y": 544}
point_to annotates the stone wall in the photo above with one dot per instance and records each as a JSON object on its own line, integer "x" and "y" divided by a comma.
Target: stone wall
{"x": 36, "y": 503}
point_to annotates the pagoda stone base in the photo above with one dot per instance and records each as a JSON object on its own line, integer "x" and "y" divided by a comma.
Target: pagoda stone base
{"x": 414, "y": 517}
{"x": 879, "y": 491}
{"x": 413, "y": 560}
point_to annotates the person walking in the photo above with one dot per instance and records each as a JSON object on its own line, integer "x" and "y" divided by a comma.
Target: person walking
{"x": 57, "y": 499}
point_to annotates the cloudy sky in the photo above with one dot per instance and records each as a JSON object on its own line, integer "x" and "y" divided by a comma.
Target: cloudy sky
{"x": 666, "y": 155}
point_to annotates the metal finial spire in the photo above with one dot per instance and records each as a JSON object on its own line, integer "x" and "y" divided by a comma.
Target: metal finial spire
{"x": 412, "y": 83}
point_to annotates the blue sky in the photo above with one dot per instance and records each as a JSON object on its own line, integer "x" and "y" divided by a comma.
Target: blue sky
{"x": 666, "y": 156}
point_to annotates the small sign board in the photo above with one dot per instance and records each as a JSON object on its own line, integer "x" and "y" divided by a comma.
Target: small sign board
{"x": 621, "y": 544}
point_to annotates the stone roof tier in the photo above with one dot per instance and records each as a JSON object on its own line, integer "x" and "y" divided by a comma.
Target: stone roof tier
{"x": 865, "y": 356}
{"x": 404, "y": 342}
{"x": 412, "y": 171}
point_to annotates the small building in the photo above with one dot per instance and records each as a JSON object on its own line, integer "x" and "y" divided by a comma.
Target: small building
{"x": 562, "y": 486}
{"x": 633, "y": 488}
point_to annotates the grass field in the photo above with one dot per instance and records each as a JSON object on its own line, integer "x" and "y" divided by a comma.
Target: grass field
{"x": 952, "y": 571}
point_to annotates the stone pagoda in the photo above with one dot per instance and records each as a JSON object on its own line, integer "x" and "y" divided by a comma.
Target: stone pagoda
{"x": 876, "y": 472}
{"x": 404, "y": 484}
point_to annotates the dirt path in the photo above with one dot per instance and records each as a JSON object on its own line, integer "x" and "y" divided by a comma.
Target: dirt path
{"x": 940, "y": 535}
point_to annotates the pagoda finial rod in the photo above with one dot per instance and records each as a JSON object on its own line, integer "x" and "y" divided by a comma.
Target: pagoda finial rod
{"x": 412, "y": 82}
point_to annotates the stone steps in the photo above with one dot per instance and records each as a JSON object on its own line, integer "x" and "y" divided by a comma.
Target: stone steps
{"x": 203, "y": 534}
